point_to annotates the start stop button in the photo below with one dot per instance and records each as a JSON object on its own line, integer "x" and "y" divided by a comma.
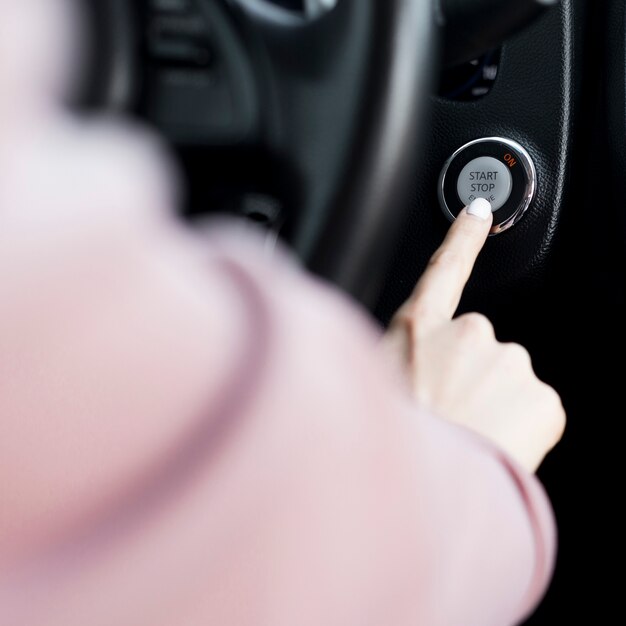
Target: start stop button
{"x": 499, "y": 170}
{"x": 488, "y": 178}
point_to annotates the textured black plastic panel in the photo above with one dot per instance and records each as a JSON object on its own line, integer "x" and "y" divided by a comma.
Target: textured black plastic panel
{"x": 533, "y": 102}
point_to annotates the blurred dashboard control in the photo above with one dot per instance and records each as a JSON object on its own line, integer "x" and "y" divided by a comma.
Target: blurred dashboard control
{"x": 472, "y": 80}
{"x": 471, "y": 27}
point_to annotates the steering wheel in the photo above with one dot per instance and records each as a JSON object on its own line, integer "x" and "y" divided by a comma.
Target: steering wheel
{"x": 333, "y": 96}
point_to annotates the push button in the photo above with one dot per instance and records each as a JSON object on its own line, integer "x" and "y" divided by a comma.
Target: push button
{"x": 496, "y": 169}
{"x": 488, "y": 178}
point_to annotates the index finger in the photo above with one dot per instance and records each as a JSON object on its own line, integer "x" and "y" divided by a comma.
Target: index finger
{"x": 441, "y": 286}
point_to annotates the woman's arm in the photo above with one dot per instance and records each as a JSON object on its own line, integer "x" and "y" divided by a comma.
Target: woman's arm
{"x": 307, "y": 488}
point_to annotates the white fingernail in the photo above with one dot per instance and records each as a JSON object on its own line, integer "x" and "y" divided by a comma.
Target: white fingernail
{"x": 480, "y": 208}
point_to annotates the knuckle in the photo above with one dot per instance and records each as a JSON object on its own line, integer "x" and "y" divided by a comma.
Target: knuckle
{"x": 414, "y": 317}
{"x": 557, "y": 418}
{"x": 446, "y": 259}
{"x": 420, "y": 310}
{"x": 474, "y": 326}
{"x": 413, "y": 314}
{"x": 517, "y": 355}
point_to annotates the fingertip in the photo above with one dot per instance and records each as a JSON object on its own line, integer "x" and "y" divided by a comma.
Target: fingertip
{"x": 481, "y": 209}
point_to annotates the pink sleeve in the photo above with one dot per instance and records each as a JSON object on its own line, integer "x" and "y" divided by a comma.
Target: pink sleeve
{"x": 468, "y": 536}
{"x": 305, "y": 488}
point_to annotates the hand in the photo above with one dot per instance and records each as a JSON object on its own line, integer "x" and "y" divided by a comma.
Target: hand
{"x": 457, "y": 368}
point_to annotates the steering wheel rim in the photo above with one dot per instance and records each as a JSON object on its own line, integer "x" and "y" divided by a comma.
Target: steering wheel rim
{"x": 342, "y": 98}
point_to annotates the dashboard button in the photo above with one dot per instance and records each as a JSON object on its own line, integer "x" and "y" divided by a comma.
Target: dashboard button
{"x": 497, "y": 169}
{"x": 488, "y": 178}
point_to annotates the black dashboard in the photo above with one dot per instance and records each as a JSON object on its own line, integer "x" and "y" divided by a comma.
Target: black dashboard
{"x": 534, "y": 101}
{"x": 165, "y": 67}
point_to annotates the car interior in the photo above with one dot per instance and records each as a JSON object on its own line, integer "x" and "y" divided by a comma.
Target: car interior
{"x": 356, "y": 130}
